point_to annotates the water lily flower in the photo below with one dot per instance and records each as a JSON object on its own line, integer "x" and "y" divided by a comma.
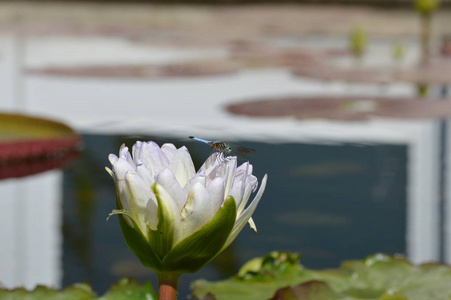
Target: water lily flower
{"x": 174, "y": 219}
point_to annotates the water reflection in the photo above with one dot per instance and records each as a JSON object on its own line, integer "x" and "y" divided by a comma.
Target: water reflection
{"x": 327, "y": 169}
{"x": 311, "y": 218}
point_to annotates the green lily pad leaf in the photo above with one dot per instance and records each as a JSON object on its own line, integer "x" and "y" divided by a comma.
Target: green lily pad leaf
{"x": 24, "y": 137}
{"x": 202, "y": 246}
{"x": 378, "y": 277}
{"x": 124, "y": 289}
{"x": 311, "y": 290}
{"x": 80, "y": 291}
{"x": 393, "y": 296}
{"x": 275, "y": 263}
{"x": 127, "y": 288}
{"x": 209, "y": 297}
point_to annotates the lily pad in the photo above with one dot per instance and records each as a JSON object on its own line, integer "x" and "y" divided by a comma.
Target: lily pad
{"x": 28, "y": 167}
{"x": 126, "y": 289}
{"x": 175, "y": 70}
{"x": 24, "y": 137}
{"x": 352, "y": 108}
{"x": 378, "y": 277}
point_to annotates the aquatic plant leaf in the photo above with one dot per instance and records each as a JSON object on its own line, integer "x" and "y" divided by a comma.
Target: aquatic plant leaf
{"x": 378, "y": 277}
{"x": 129, "y": 288}
{"x": 310, "y": 290}
{"x": 24, "y": 137}
{"x": 80, "y": 291}
{"x": 124, "y": 289}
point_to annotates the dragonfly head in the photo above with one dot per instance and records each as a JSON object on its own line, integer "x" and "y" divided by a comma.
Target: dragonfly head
{"x": 227, "y": 150}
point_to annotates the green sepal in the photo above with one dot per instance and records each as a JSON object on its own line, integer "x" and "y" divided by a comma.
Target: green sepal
{"x": 137, "y": 242}
{"x": 162, "y": 238}
{"x": 195, "y": 251}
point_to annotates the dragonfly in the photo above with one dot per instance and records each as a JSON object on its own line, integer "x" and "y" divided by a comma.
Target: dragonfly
{"x": 226, "y": 149}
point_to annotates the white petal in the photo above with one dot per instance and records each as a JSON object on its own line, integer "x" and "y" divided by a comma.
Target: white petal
{"x": 122, "y": 193}
{"x": 242, "y": 172}
{"x": 168, "y": 150}
{"x": 145, "y": 174}
{"x": 242, "y": 169}
{"x": 216, "y": 191}
{"x": 198, "y": 211}
{"x": 246, "y": 195}
{"x": 226, "y": 167}
{"x": 210, "y": 167}
{"x": 230, "y": 175}
{"x": 120, "y": 167}
{"x": 182, "y": 166}
{"x": 246, "y": 215}
{"x": 168, "y": 181}
{"x": 143, "y": 204}
{"x": 198, "y": 178}
{"x": 153, "y": 157}
{"x": 112, "y": 158}
{"x": 136, "y": 150}
{"x": 123, "y": 149}
{"x": 221, "y": 168}
{"x": 237, "y": 192}
{"x": 124, "y": 154}
{"x": 211, "y": 162}
{"x": 253, "y": 181}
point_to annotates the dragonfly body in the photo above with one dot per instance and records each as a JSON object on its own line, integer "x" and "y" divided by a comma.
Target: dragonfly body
{"x": 226, "y": 149}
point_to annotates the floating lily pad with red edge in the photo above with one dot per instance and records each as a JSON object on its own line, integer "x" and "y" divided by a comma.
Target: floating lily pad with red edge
{"x": 25, "y": 138}
{"x": 28, "y": 167}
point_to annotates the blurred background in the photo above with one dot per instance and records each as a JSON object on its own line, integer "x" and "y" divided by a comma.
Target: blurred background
{"x": 345, "y": 102}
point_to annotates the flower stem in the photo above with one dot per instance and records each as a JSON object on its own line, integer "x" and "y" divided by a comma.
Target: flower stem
{"x": 167, "y": 285}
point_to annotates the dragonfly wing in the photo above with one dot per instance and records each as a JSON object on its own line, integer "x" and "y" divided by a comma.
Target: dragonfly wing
{"x": 222, "y": 148}
{"x": 243, "y": 151}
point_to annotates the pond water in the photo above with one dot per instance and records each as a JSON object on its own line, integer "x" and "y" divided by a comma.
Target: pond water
{"x": 328, "y": 202}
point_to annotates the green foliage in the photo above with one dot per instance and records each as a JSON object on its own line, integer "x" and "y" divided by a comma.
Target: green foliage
{"x": 399, "y": 51}
{"x": 130, "y": 289}
{"x": 378, "y": 277}
{"x": 24, "y": 138}
{"x": 21, "y": 127}
{"x": 426, "y": 7}
{"x": 422, "y": 90}
{"x": 359, "y": 41}
{"x": 124, "y": 289}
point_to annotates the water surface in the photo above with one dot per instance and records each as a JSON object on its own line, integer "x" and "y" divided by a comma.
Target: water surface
{"x": 328, "y": 202}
